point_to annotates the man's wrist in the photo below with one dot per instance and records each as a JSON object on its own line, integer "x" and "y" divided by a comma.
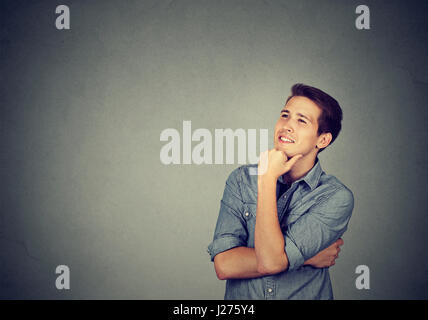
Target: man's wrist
{"x": 267, "y": 178}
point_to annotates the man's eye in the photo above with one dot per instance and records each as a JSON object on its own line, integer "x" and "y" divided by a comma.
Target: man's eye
{"x": 302, "y": 120}
{"x": 284, "y": 115}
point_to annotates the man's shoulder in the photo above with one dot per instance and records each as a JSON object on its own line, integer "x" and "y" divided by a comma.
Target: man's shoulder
{"x": 245, "y": 178}
{"x": 246, "y": 173}
{"x": 330, "y": 185}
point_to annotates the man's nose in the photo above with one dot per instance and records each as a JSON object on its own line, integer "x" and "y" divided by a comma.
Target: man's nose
{"x": 288, "y": 126}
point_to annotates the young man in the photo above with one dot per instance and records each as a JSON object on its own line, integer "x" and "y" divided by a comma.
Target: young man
{"x": 278, "y": 232}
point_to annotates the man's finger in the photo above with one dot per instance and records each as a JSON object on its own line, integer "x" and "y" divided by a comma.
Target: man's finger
{"x": 340, "y": 242}
{"x": 292, "y": 161}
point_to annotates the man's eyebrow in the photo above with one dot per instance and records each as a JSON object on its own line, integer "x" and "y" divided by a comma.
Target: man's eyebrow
{"x": 299, "y": 114}
{"x": 303, "y": 116}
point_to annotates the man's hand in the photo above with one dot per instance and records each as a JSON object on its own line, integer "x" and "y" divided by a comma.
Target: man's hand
{"x": 327, "y": 257}
{"x": 274, "y": 163}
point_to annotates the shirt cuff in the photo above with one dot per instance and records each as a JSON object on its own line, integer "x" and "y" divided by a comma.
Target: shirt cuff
{"x": 222, "y": 244}
{"x": 294, "y": 256}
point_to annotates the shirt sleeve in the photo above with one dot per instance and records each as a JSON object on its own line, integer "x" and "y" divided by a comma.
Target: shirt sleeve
{"x": 231, "y": 229}
{"x": 323, "y": 224}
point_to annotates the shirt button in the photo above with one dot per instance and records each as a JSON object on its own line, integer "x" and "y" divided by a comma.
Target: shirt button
{"x": 247, "y": 214}
{"x": 269, "y": 290}
{"x": 285, "y": 196}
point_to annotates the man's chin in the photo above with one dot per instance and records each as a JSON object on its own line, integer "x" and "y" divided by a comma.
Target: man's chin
{"x": 289, "y": 153}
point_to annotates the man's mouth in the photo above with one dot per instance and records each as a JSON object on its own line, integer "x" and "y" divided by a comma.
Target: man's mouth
{"x": 284, "y": 139}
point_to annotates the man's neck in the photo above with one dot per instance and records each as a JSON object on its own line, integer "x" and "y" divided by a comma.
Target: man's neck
{"x": 300, "y": 169}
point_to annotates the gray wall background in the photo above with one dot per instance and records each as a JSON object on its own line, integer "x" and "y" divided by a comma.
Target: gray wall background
{"x": 82, "y": 111}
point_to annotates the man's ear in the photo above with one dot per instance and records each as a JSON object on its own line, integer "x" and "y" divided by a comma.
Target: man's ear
{"x": 324, "y": 140}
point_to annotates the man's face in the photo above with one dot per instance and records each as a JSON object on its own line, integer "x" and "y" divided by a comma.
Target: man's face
{"x": 296, "y": 131}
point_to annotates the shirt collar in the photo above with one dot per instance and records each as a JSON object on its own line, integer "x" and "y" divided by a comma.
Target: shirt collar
{"x": 311, "y": 178}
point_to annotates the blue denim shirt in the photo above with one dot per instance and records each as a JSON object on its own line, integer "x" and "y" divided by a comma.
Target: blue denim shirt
{"x": 313, "y": 213}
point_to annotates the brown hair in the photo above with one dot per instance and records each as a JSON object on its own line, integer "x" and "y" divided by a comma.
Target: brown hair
{"x": 331, "y": 115}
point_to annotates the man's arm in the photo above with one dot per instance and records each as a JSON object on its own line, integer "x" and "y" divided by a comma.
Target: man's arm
{"x": 237, "y": 263}
{"x": 327, "y": 257}
{"x": 241, "y": 262}
{"x": 269, "y": 240}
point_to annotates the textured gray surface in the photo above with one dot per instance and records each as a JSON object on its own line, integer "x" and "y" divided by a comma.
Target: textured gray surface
{"x": 82, "y": 111}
